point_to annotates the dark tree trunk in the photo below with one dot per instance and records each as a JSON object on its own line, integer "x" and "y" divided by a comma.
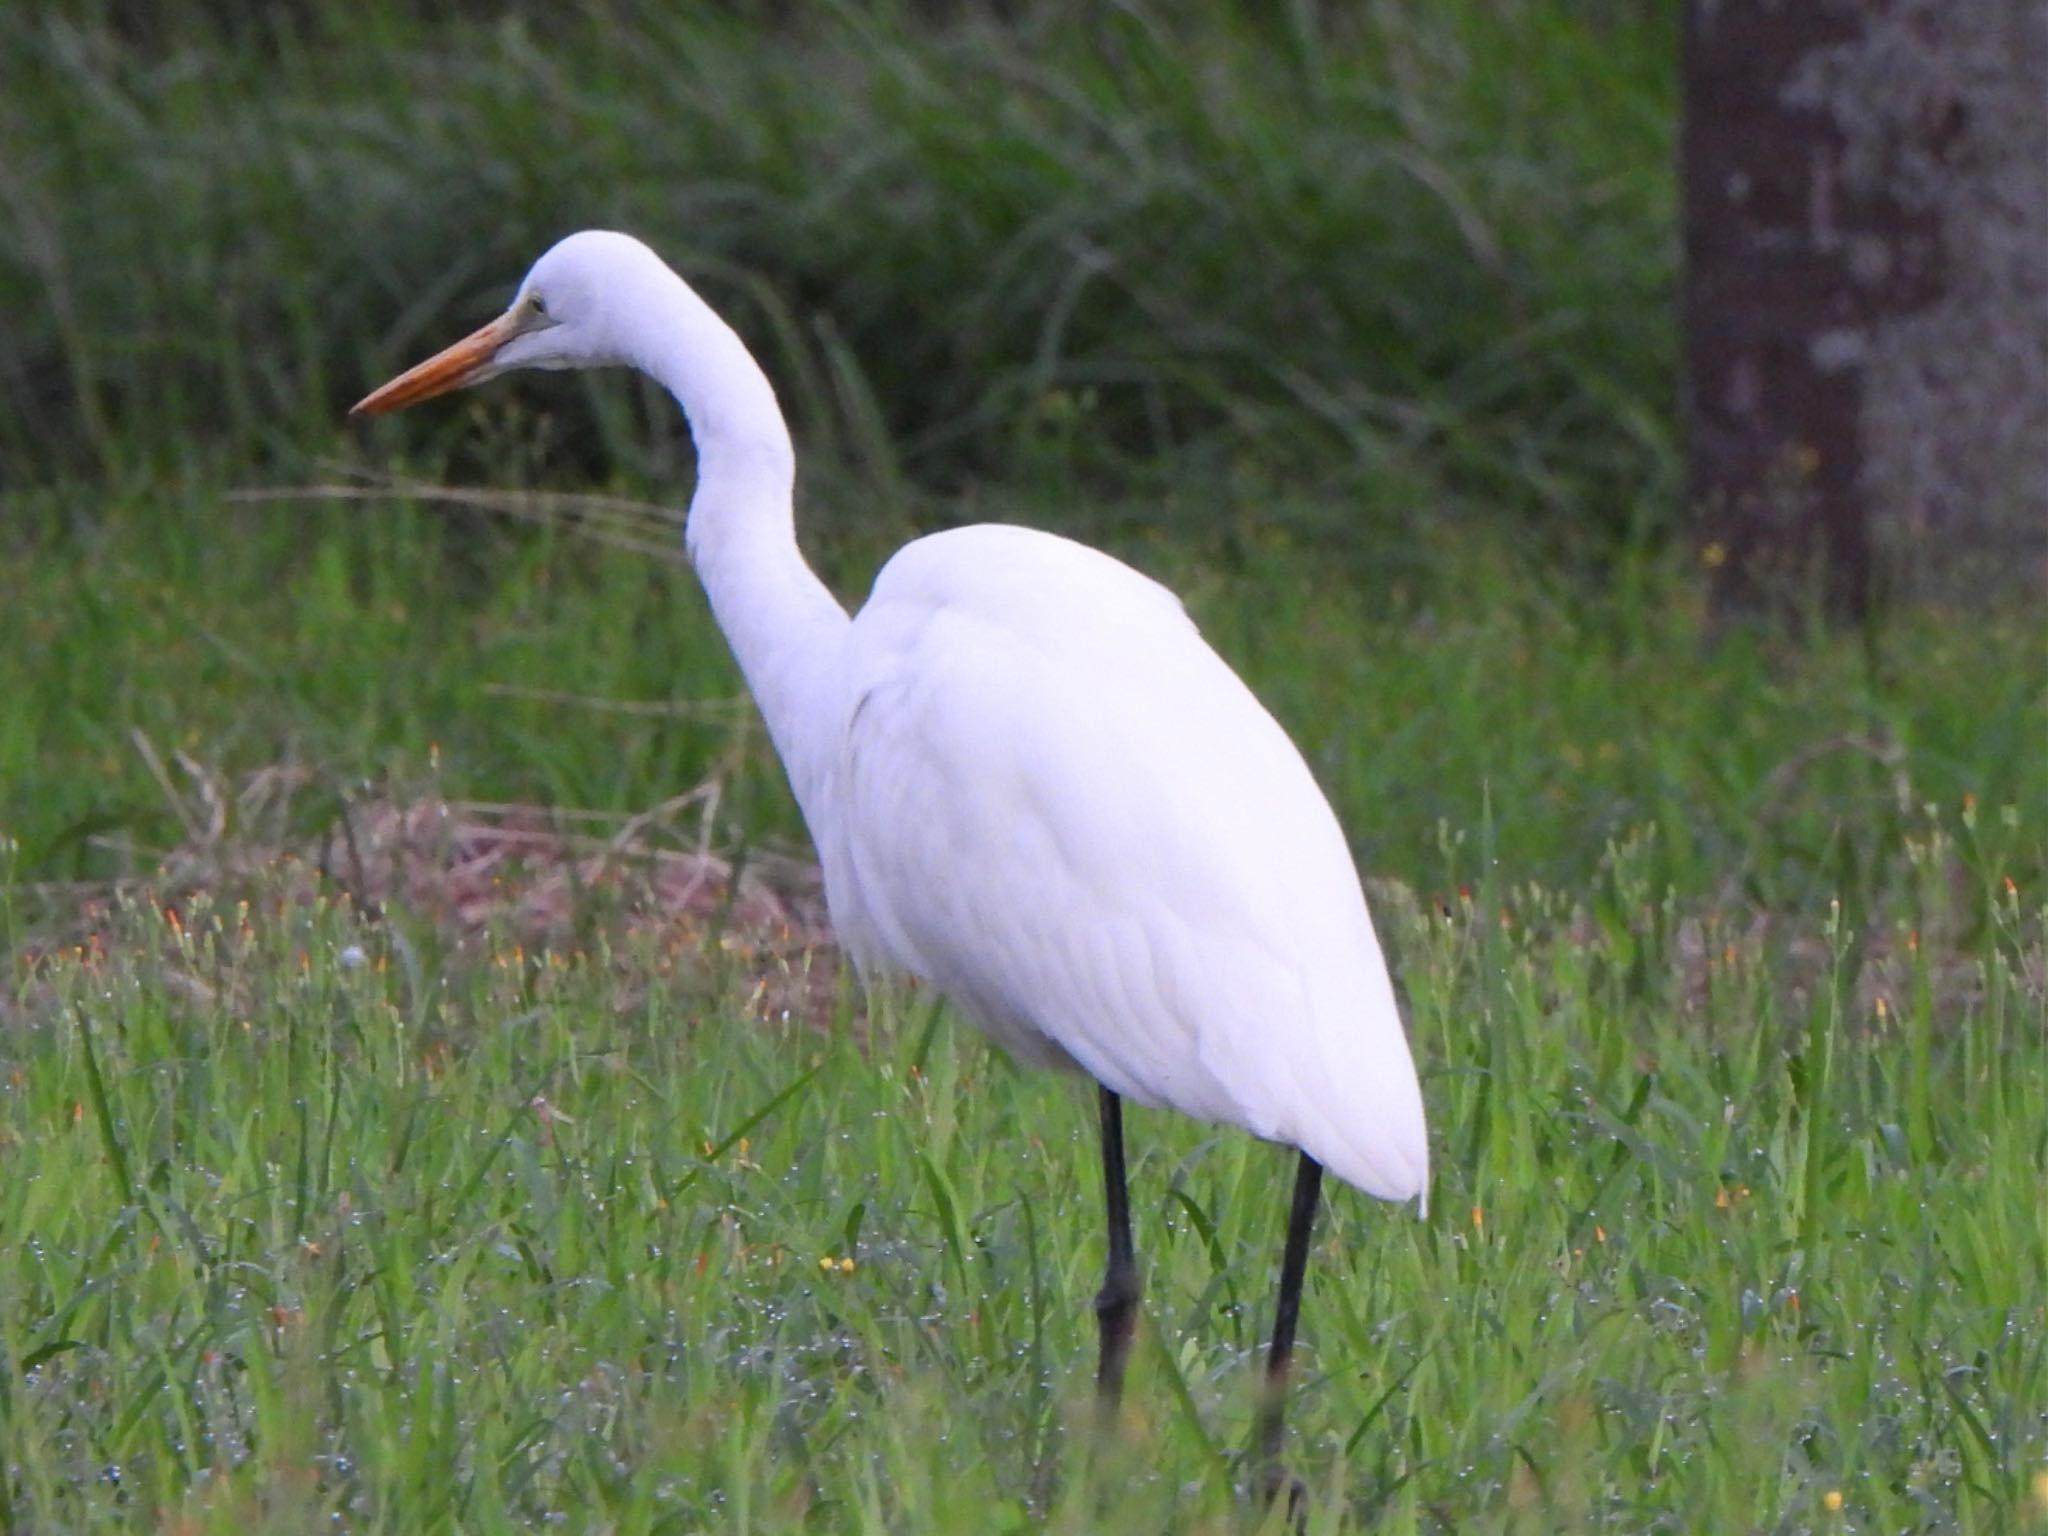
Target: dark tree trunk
{"x": 1866, "y": 291}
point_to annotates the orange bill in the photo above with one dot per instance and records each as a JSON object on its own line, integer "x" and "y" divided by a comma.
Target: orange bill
{"x": 446, "y": 370}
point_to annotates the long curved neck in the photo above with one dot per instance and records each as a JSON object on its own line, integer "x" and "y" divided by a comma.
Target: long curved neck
{"x": 786, "y": 630}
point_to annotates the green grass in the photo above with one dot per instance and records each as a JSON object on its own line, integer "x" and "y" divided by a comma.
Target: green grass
{"x": 1464, "y": 683}
{"x": 290, "y": 1234}
{"x": 286, "y": 1236}
{"x": 1421, "y": 252}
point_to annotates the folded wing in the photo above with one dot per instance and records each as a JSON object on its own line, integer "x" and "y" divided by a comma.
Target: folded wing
{"x": 1059, "y": 806}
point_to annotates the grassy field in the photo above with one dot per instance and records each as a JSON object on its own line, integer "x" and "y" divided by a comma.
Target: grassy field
{"x": 1733, "y": 1229}
{"x": 428, "y": 1098}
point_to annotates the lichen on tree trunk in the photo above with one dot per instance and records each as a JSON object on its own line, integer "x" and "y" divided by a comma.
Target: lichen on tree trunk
{"x": 1866, "y": 293}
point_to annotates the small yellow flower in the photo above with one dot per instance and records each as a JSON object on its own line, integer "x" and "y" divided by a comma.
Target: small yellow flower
{"x": 1715, "y": 555}
{"x": 846, "y": 1265}
{"x": 1832, "y": 1500}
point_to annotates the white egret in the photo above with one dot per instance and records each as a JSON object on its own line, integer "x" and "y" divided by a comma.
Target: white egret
{"x": 1031, "y": 783}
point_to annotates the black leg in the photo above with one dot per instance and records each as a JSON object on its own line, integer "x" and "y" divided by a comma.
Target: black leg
{"x": 1116, "y": 1304}
{"x": 1301, "y": 1220}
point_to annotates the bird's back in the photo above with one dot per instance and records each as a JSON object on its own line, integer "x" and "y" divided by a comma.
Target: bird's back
{"x": 1055, "y": 802}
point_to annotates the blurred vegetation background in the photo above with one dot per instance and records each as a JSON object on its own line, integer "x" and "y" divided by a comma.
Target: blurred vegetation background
{"x": 1355, "y": 323}
{"x": 1421, "y": 254}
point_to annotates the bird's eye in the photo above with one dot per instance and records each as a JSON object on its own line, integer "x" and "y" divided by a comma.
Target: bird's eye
{"x": 536, "y": 305}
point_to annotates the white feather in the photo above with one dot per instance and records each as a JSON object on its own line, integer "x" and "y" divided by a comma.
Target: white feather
{"x": 1058, "y": 804}
{"x": 1029, "y": 779}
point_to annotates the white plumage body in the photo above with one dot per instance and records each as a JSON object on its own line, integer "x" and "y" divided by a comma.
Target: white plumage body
{"x": 1055, "y": 802}
{"x": 1030, "y": 780}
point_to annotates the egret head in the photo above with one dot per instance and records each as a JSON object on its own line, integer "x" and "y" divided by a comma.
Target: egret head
{"x": 564, "y": 316}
